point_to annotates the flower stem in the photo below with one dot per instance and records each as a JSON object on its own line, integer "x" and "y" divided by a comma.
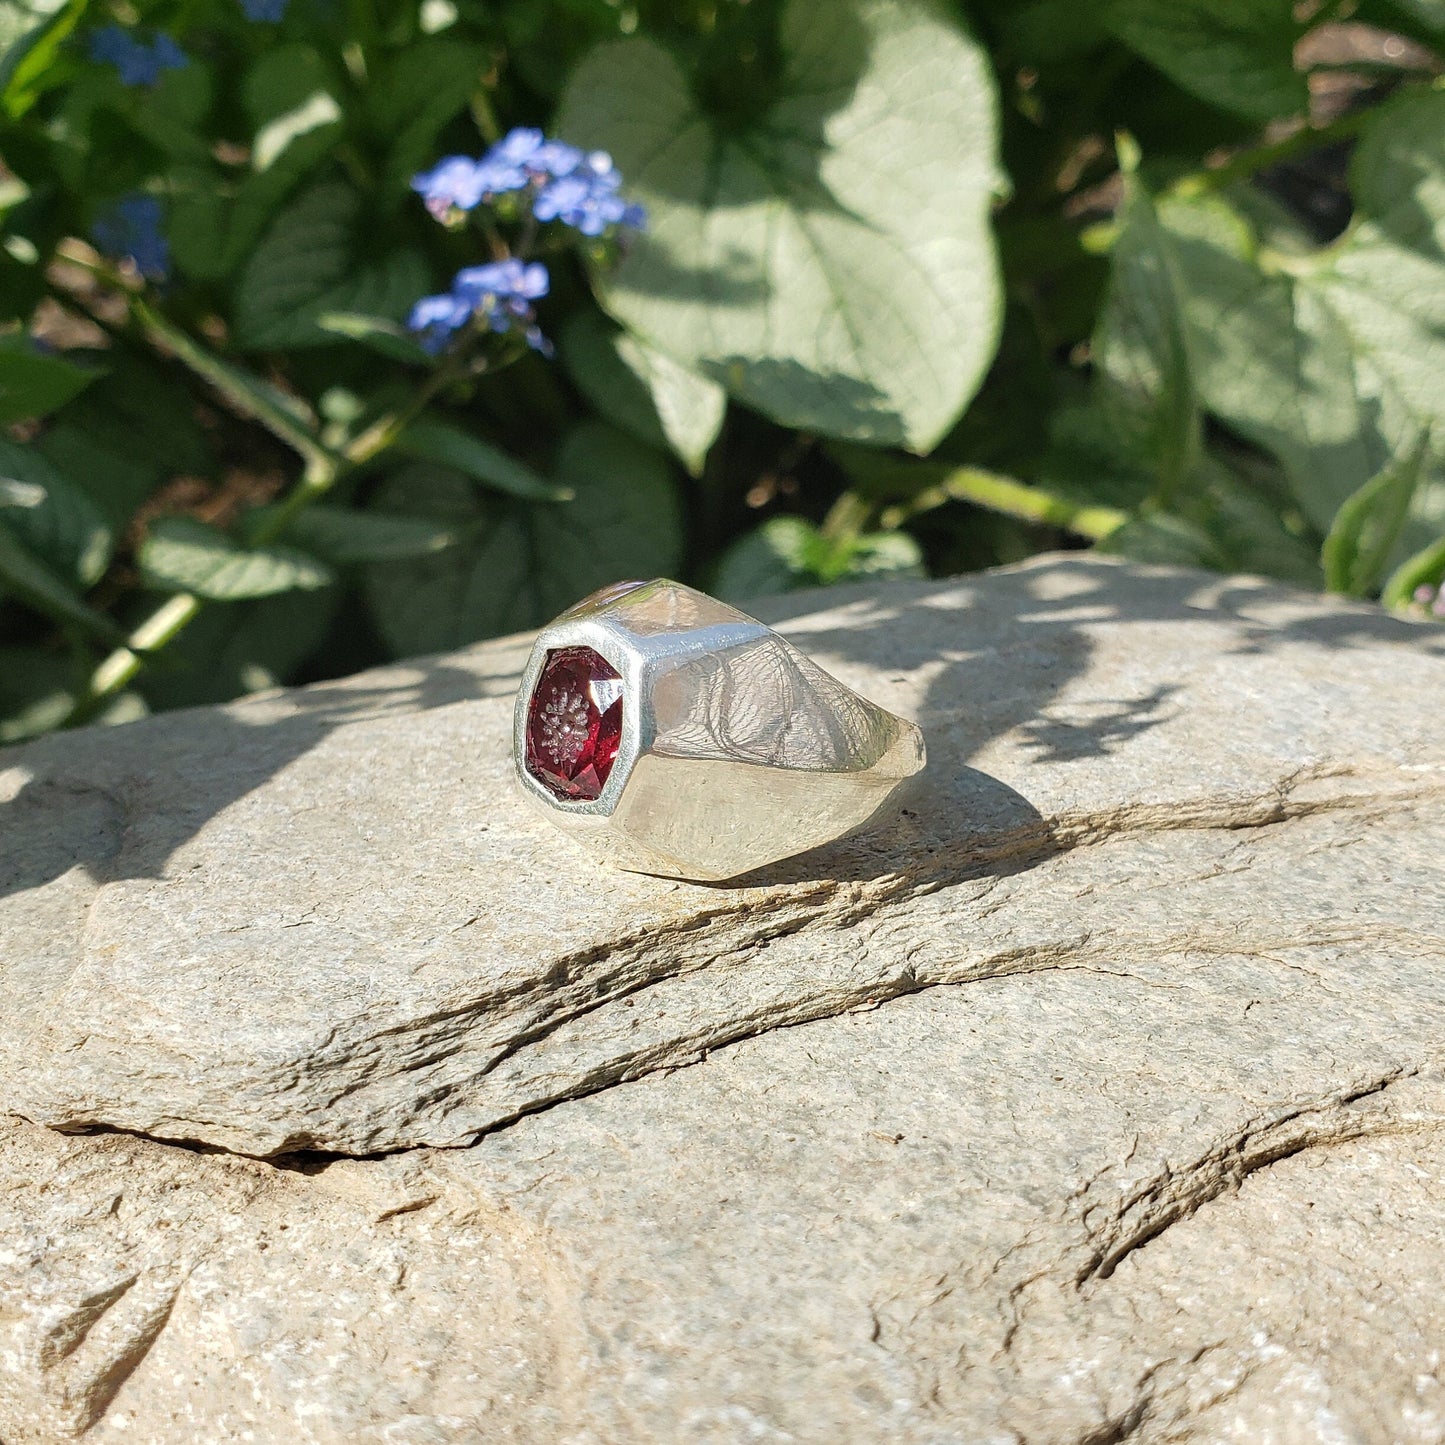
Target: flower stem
{"x": 322, "y": 468}
{"x": 1012, "y": 498}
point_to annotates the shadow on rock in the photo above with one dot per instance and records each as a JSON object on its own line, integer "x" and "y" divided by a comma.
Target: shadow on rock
{"x": 110, "y": 801}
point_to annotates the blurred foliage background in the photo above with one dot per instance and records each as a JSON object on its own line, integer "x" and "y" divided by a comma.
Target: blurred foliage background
{"x": 922, "y": 288}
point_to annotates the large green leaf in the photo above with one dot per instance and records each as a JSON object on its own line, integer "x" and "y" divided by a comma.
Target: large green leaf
{"x": 307, "y": 267}
{"x": 1236, "y": 54}
{"x": 53, "y": 517}
{"x": 33, "y": 384}
{"x": 434, "y": 440}
{"x": 643, "y": 390}
{"x": 830, "y": 260}
{"x": 1334, "y": 361}
{"x": 180, "y": 554}
{"x": 414, "y": 94}
{"x": 517, "y": 565}
{"x": 290, "y": 101}
{"x": 1141, "y": 350}
{"x": 232, "y": 648}
{"x": 343, "y": 537}
{"x": 122, "y": 436}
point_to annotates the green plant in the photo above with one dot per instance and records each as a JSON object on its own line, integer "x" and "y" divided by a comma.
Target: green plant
{"x": 919, "y": 289}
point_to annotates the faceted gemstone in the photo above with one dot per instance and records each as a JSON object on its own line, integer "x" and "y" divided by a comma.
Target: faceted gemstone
{"x": 574, "y": 723}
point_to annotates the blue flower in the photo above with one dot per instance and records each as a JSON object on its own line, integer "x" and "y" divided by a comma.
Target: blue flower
{"x": 454, "y": 184}
{"x": 587, "y": 200}
{"x": 136, "y": 62}
{"x": 270, "y": 12}
{"x": 565, "y": 183}
{"x": 500, "y": 294}
{"x": 131, "y": 228}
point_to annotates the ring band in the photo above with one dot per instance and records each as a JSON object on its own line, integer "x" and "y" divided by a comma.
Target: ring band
{"x": 682, "y": 737}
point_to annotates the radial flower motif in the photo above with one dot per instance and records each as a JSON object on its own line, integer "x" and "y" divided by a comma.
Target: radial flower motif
{"x": 131, "y": 229}
{"x": 136, "y": 62}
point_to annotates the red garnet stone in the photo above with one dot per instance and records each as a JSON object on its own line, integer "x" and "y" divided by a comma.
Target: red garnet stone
{"x": 574, "y": 723}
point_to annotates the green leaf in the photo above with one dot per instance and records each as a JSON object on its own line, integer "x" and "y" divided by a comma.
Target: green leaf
{"x": 37, "y": 690}
{"x": 1333, "y": 361}
{"x": 786, "y": 553}
{"x": 386, "y": 338}
{"x": 1425, "y": 569}
{"x": 826, "y": 254}
{"x": 125, "y": 434}
{"x": 1236, "y": 54}
{"x": 881, "y": 554}
{"x": 1272, "y": 360}
{"x": 181, "y": 554}
{"x": 33, "y": 384}
{"x": 307, "y": 266}
{"x": 234, "y": 648}
{"x": 29, "y": 67}
{"x": 643, "y": 390}
{"x": 1141, "y": 350}
{"x": 777, "y": 557}
{"x": 342, "y": 537}
{"x": 1165, "y": 540}
{"x": 414, "y": 95}
{"x": 290, "y": 99}
{"x": 518, "y": 565}
{"x": 39, "y": 585}
{"x": 1364, "y": 532}
{"x": 441, "y": 442}
{"x": 53, "y": 517}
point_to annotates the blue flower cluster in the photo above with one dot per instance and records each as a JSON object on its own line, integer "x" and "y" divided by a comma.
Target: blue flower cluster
{"x": 578, "y": 188}
{"x": 136, "y": 62}
{"x": 132, "y": 228}
{"x": 270, "y": 12}
{"x": 500, "y": 294}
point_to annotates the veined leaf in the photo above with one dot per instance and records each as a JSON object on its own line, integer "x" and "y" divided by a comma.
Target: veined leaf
{"x": 305, "y": 267}
{"x": 53, "y": 517}
{"x": 181, "y": 554}
{"x": 33, "y": 384}
{"x": 643, "y": 390}
{"x": 1141, "y": 350}
{"x": 518, "y": 564}
{"x": 1236, "y": 54}
{"x": 830, "y": 261}
{"x": 342, "y": 537}
{"x": 439, "y": 441}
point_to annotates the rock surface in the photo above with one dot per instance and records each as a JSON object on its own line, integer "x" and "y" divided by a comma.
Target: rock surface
{"x": 1101, "y": 1097}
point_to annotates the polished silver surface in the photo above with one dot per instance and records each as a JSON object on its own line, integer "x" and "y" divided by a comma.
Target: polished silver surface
{"x": 736, "y": 750}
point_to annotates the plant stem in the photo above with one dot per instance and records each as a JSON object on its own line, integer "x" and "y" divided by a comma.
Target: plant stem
{"x": 1012, "y": 498}
{"x": 1246, "y": 163}
{"x": 322, "y": 468}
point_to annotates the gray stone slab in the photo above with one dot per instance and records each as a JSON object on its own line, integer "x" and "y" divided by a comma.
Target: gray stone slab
{"x": 1102, "y": 1098}
{"x": 326, "y": 920}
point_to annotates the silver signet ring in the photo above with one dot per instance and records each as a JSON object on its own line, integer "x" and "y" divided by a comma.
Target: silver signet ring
{"x": 679, "y": 736}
